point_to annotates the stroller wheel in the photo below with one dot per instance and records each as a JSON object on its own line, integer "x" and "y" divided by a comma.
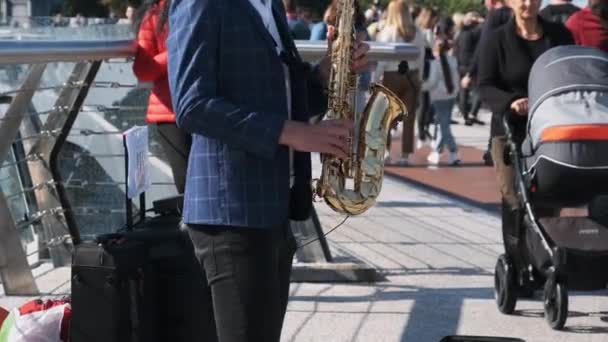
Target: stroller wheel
{"x": 556, "y": 304}
{"x": 505, "y": 291}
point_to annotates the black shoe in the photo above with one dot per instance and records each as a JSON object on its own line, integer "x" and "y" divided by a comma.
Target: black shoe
{"x": 468, "y": 122}
{"x": 454, "y": 122}
{"x": 478, "y": 122}
{"x": 487, "y": 158}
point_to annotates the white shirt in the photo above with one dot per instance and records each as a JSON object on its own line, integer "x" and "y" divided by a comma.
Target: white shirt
{"x": 391, "y": 35}
{"x": 265, "y": 11}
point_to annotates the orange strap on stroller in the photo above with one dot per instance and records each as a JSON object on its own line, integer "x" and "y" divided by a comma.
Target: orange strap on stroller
{"x": 575, "y": 132}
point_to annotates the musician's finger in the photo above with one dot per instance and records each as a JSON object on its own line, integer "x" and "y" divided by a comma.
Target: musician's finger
{"x": 361, "y": 65}
{"x": 336, "y": 152}
{"x": 331, "y": 36}
{"x": 361, "y": 50}
{"x": 339, "y": 144}
{"x": 339, "y": 131}
{"x": 361, "y": 36}
{"x": 348, "y": 123}
{"x": 339, "y": 123}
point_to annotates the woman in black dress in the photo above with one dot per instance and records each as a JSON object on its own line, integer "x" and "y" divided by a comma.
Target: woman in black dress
{"x": 504, "y": 67}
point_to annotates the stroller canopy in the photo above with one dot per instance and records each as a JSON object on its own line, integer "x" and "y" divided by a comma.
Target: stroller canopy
{"x": 568, "y": 95}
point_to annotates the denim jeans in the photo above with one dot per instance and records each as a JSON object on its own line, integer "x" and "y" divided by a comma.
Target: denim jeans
{"x": 443, "y": 115}
{"x": 248, "y": 272}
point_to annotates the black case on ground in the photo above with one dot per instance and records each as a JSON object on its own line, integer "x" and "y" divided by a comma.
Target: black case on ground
{"x": 141, "y": 284}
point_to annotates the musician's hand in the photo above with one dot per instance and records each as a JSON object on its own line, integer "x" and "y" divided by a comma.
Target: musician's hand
{"x": 360, "y": 62}
{"x": 329, "y": 136}
{"x": 520, "y": 106}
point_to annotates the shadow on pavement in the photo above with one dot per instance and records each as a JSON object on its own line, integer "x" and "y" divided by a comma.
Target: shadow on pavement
{"x": 428, "y": 302}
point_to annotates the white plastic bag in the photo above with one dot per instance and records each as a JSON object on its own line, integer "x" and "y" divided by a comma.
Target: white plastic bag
{"x": 40, "y": 326}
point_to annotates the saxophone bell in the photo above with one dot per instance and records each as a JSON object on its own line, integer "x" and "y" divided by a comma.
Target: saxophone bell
{"x": 350, "y": 186}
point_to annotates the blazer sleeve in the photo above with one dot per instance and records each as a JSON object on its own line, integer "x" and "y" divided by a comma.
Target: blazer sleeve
{"x": 466, "y": 50}
{"x": 193, "y": 45}
{"x": 491, "y": 88}
{"x": 493, "y": 21}
{"x": 150, "y": 64}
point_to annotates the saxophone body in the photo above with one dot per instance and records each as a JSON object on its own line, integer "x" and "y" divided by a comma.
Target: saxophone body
{"x": 350, "y": 186}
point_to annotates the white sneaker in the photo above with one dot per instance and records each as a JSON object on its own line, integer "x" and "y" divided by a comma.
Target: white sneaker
{"x": 433, "y": 158}
{"x": 420, "y": 143}
{"x": 387, "y": 158}
{"x": 453, "y": 158}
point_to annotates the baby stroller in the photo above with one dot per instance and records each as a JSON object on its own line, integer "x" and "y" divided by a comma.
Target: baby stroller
{"x": 561, "y": 162}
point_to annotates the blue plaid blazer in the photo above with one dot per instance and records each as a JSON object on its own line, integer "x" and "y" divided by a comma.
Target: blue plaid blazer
{"x": 228, "y": 89}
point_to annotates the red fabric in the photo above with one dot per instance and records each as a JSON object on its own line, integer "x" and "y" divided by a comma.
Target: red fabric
{"x": 150, "y": 65}
{"x": 3, "y": 315}
{"x": 40, "y": 305}
{"x": 588, "y": 30}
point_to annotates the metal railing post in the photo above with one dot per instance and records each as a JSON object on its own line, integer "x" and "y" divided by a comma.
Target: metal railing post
{"x": 306, "y": 232}
{"x": 49, "y": 198}
{"x": 15, "y": 272}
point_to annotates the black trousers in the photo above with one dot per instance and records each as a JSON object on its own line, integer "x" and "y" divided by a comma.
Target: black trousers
{"x": 424, "y": 117}
{"x": 247, "y": 273}
{"x": 176, "y": 144}
{"x": 468, "y": 103}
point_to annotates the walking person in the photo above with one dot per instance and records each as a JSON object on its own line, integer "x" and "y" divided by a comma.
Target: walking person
{"x": 426, "y": 21}
{"x": 468, "y": 101}
{"x": 498, "y": 14}
{"x": 508, "y": 56}
{"x": 406, "y": 84}
{"x": 240, "y": 88}
{"x": 442, "y": 86}
{"x": 150, "y": 65}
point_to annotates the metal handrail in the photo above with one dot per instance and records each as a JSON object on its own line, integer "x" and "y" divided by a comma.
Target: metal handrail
{"x": 45, "y": 51}
{"x": 41, "y": 51}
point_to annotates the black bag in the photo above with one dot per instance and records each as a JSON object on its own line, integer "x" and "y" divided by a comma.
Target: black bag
{"x": 111, "y": 278}
{"x": 141, "y": 284}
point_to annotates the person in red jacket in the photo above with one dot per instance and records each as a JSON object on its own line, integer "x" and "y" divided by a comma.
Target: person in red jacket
{"x": 150, "y": 65}
{"x": 589, "y": 26}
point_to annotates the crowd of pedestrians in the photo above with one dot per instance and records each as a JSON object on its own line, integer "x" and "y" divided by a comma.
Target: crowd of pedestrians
{"x": 439, "y": 85}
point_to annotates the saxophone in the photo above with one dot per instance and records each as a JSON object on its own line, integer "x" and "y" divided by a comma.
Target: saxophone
{"x": 350, "y": 186}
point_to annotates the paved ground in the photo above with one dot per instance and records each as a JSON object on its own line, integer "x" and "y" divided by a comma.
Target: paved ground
{"x": 471, "y": 181}
{"x": 437, "y": 255}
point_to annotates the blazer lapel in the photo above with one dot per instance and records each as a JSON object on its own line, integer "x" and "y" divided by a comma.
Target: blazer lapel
{"x": 281, "y": 19}
{"x": 284, "y": 31}
{"x": 258, "y": 24}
